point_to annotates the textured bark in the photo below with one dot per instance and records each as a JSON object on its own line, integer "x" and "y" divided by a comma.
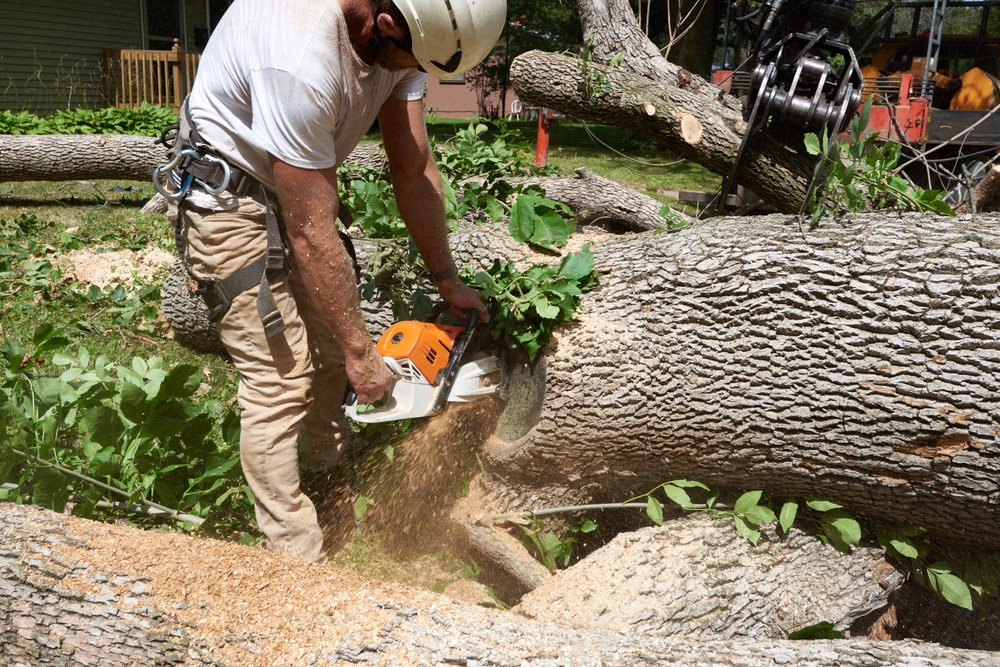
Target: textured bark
{"x": 70, "y": 157}
{"x": 55, "y": 610}
{"x": 595, "y": 200}
{"x": 697, "y": 577}
{"x": 775, "y": 171}
{"x": 985, "y": 190}
{"x": 860, "y": 361}
{"x": 121, "y": 622}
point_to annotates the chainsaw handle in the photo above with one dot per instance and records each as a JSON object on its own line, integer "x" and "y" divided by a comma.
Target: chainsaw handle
{"x": 351, "y": 397}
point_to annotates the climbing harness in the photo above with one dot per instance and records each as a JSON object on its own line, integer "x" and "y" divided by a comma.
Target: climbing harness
{"x": 191, "y": 161}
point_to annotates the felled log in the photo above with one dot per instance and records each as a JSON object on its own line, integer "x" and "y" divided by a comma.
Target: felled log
{"x": 858, "y": 361}
{"x": 72, "y": 157}
{"x": 77, "y": 592}
{"x": 695, "y": 123}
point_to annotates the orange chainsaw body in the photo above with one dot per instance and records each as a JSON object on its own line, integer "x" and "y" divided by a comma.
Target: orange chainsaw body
{"x": 428, "y": 346}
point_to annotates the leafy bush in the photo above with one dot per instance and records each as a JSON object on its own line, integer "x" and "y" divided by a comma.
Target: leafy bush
{"x": 146, "y": 119}
{"x": 863, "y": 170}
{"x": 132, "y": 428}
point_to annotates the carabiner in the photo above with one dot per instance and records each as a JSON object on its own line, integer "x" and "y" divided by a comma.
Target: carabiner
{"x": 170, "y": 166}
{"x": 226, "y": 174}
{"x": 158, "y": 179}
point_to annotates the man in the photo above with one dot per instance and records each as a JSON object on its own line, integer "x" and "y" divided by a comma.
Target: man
{"x": 285, "y": 90}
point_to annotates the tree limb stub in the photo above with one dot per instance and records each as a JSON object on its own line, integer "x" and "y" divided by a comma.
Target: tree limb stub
{"x": 777, "y": 173}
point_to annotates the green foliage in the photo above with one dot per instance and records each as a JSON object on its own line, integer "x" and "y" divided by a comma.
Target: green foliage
{"x": 529, "y": 304}
{"x": 594, "y": 82}
{"x": 135, "y": 428}
{"x": 862, "y": 171}
{"x": 554, "y": 547}
{"x": 821, "y": 630}
{"x": 146, "y": 119}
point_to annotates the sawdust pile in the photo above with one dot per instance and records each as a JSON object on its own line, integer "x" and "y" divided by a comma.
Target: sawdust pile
{"x": 245, "y": 606}
{"x": 117, "y": 267}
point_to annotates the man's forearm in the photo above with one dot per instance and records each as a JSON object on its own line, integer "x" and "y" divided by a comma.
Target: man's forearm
{"x": 421, "y": 204}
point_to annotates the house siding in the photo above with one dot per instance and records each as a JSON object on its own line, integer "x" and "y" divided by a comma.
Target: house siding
{"x": 50, "y": 49}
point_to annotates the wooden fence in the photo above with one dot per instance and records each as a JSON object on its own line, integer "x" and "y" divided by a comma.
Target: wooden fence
{"x": 132, "y": 76}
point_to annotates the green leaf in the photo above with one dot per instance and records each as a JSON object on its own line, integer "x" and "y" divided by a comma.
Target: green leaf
{"x": 654, "y": 510}
{"x": 677, "y": 494}
{"x": 588, "y": 526}
{"x": 522, "y": 218}
{"x": 904, "y": 547}
{"x": 687, "y": 484}
{"x": 390, "y": 453}
{"x": 822, "y": 630}
{"x": 51, "y": 490}
{"x": 133, "y": 401}
{"x": 181, "y": 382}
{"x": 787, "y": 515}
{"x": 951, "y": 588}
{"x": 812, "y": 143}
{"x": 847, "y": 528}
{"x": 759, "y": 514}
{"x": 821, "y": 505}
{"x": 747, "y": 530}
{"x": 545, "y": 309}
{"x": 578, "y": 265}
{"x": 361, "y": 506}
{"x": 746, "y": 501}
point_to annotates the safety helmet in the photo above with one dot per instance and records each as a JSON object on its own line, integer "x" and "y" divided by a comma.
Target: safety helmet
{"x": 453, "y": 36}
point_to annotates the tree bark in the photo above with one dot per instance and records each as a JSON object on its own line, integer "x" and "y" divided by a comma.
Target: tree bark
{"x": 174, "y": 599}
{"x": 774, "y": 170}
{"x": 697, "y": 577}
{"x": 860, "y": 361}
{"x": 71, "y": 157}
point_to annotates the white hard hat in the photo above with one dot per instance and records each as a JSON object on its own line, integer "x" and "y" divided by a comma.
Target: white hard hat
{"x": 453, "y": 36}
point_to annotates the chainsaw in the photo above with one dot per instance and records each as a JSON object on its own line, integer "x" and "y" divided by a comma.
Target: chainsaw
{"x": 432, "y": 365}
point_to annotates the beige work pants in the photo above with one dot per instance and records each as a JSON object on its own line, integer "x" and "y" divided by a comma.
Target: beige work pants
{"x": 291, "y": 386}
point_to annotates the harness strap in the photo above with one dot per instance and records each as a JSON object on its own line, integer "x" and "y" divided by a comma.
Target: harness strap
{"x": 218, "y": 294}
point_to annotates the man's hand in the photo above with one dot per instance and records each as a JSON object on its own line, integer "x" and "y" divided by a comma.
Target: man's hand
{"x": 462, "y": 298}
{"x": 370, "y": 377}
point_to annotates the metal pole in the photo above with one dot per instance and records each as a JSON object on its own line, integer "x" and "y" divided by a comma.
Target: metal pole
{"x": 542, "y": 143}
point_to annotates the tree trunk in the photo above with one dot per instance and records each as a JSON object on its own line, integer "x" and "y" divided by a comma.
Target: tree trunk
{"x": 77, "y": 592}
{"x": 694, "y": 121}
{"x": 71, "y": 157}
{"x": 859, "y": 361}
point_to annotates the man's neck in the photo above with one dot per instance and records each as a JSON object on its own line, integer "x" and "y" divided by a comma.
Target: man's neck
{"x": 360, "y": 17}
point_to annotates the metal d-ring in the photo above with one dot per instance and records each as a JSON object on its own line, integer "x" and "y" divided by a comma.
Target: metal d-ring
{"x": 226, "y": 175}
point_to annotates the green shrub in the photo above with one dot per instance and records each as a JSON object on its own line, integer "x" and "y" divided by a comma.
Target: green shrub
{"x": 146, "y": 119}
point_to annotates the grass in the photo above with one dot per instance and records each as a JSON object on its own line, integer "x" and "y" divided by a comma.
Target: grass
{"x": 101, "y": 217}
{"x": 570, "y": 147}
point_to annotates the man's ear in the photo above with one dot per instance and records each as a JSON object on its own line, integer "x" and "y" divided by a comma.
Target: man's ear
{"x": 388, "y": 27}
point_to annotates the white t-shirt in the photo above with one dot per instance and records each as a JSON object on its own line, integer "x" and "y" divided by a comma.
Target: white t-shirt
{"x": 281, "y": 77}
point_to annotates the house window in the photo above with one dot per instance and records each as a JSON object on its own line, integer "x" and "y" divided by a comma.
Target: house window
{"x": 460, "y": 79}
{"x": 163, "y": 23}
